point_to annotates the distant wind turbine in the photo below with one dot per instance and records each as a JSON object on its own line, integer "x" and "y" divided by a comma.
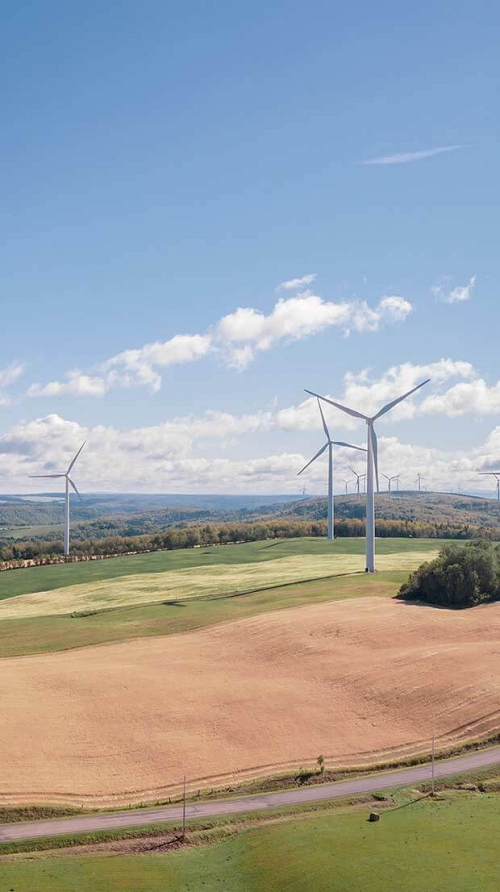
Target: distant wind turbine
{"x": 69, "y": 483}
{"x": 345, "y": 484}
{"x": 496, "y": 475}
{"x": 372, "y": 464}
{"x": 419, "y": 481}
{"x": 359, "y": 478}
{"x": 389, "y": 481}
{"x": 329, "y": 445}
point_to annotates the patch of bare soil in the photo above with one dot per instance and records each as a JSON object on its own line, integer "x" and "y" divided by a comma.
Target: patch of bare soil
{"x": 357, "y": 681}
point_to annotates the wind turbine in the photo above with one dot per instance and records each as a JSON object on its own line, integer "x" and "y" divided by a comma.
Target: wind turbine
{"x": 345, "y": 484}
{"x": 496, "y": 475}
{"x": 329, "y": 445}
{"x": 389, "y": 481}
{"x": 371, "y": 464}
{"x": 419, "y": 479}
{"x": 69, "y": 483}
{"x": 359, "y": 478}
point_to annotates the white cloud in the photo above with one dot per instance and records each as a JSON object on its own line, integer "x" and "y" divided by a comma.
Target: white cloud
{"x": 368, "y": 394}
{"x": 8, "y": 376}
{"x": 138, "y": 366}
{"x": 405, "y": 157}
{"x": 454, "y": 295}
{"x": 234, "y": 340}
{"x": 394, "y": 308}
{"x": 291, "y": 319}
{"x": 76, "y": 384}
{"x": 294, "y": 284}
{"x": 475, "y": 396}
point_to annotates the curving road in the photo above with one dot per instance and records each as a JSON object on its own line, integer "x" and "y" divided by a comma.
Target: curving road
{"x": 140, "y": 817}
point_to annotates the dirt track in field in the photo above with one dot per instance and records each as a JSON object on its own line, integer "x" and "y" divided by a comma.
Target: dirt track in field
{"x": 353, "y": 680}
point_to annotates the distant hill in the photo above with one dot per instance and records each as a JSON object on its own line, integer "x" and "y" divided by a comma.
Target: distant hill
{"x": 100, "y": 516}
{"x": 432, "y": 507}
{"x": 125, "y": 514}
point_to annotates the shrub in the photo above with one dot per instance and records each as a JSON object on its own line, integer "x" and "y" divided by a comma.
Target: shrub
{"x": 462, "y": 576}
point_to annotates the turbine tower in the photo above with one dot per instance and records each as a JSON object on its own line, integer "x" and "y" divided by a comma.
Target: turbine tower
{"x": 359, "y": 478}
{"x": 329, "y": 445}
{"x": 419, "y": 481}
{"x": 69, "y": 483}
{"x": 371, "y": 465}
{"x": 496, "y": 475}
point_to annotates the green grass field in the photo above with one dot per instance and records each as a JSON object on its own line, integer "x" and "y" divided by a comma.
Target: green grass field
{"x": 42, "y": 579}
{"x": 443, "y": 846}
{"x": 65, "y": 606}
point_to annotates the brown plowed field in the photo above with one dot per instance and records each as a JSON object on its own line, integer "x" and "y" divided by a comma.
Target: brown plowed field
{"x": 354, "y": 680}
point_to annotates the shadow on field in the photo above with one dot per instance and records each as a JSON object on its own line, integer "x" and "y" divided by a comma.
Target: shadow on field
{"x": 409, "y": 603}
{"x": 173, "y": 603}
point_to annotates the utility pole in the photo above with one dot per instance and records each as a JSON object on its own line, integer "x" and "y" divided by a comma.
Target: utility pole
{"x": 433, "y": 766}
{"x": 184, "y": 809}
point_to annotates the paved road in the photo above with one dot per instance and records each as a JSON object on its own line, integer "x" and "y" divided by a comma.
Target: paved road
{"x": 367, "y": 784}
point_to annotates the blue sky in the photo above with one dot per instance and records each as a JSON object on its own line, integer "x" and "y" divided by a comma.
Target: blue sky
{"x": 165, "y": 167}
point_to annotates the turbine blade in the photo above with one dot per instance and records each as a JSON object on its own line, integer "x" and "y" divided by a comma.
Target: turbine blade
{"x": 373, "y": 438}
{"x": 349, "y": 445}
{"x": 386, "y": 477}
{"x": 399, "y": 400}
{"x": 320, "y": 452}
{"x": 54, "y": 476}
{"x": 339, "y": 406}
{"x": 76, "y": 456}
{"x": 74, "y": 487}
{"x": 327, "y": 432}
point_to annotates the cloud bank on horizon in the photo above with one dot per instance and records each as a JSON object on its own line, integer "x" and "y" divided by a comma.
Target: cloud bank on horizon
{"x": 174, "y": 454}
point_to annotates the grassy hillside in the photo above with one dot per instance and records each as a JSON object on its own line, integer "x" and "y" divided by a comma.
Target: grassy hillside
{"x": 447, "y": 846}
{"x": 39, "y": 579}
{"x": 66, "y": 606}
{"x": 45, "y": 634}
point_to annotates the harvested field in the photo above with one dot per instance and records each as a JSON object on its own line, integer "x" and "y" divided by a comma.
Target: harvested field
{"x": 353, "y": 680}
{"x": 195, "y": 582}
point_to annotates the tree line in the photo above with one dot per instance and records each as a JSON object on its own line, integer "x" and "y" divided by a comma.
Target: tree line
{"x": 18, "y": 554}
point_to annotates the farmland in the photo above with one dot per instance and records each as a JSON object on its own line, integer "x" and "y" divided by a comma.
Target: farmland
{"x": 357, "y": 680}
{"x": 63, "y": 606}
{"x": 229, "y": 660}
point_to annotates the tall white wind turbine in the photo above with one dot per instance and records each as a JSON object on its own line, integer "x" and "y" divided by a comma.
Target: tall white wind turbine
{"x": 69, "y": 483}
{"x": 419, "y": 481}
{"x": 329, "y": 445}
{"x": 371, "y": 463}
